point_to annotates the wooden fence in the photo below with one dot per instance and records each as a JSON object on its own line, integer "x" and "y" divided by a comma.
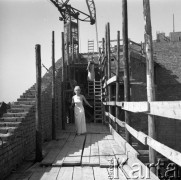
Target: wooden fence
{"x": 167, "y": 109}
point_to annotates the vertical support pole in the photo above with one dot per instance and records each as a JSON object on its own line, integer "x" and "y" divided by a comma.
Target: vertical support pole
{"x": 150, "y": 74}
{"x": 77, "y": 41}
{"x": 105, "y": 71}
{"x": 102, "y": 73}
{"x": 117, "y": 74}
{"x": 63, "y": 82}
{"x": 53, "y": 88}
{"x": 126, "y": 64}
{"x": 109, "y": 67}
{"x": 38, "y": 105}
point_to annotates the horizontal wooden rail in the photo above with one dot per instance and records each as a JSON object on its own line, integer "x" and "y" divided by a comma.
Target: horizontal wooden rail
{"x": 110, "y": 81}
{"x": 118, "y": 121}
{"x": 110, "y": 103}
{"x": 169, "y": 153}
{"x": 168, "y": 109}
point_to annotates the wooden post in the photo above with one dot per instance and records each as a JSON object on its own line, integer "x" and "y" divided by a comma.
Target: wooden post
{"x": 38, "y": 105}
{"x": 126, "y": 63}
{"x": 117, "y": 74}
{"x": 102, "y": 73}
{"x": 105, "y": 71}
{"x": 63, "y": 83}
{"x": 109, "y": 67}
{"x": 53, "y": 88}
{"x": 150, "y": 74}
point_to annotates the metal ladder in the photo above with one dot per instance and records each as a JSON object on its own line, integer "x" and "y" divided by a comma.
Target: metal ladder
{"x": 97, "y": 101}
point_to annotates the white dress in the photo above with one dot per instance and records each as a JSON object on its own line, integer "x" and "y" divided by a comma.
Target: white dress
{"x": 79, "y": 114}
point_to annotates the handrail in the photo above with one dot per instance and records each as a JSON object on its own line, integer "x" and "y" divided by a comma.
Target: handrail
{"x": 169, "y": 153}
{"x": 168, "y": 109}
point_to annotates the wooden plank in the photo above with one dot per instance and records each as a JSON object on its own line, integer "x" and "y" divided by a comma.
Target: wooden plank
{"x": 112, "y": 80}
{"x": 53, "y": 153}
{"x": 136, "y": 107}
{"x": 71, "y": 137}
{"x": 83, "y": 173}
{"x": 51, "y": 173}
{"x": 138, "y": 135}
{"x": 87, "y": 151}
{"x": 65, "y": 173}
{"x": 109, "y": 103}
{"x": 61, "y": 156}
{"x": 94, "y": 156}
{"x": 73, "y": 156}
{"x": 119, "y": 122}
{"x": 169, "y": 153}
{"x": 38, "y": 123}
{"x": 168, "y": 109}
{"x": 58, "y": 161}
{"x": 100, "y": 173}
{"x": 123, "y": 143}
{"x": 105, "y": 152}
{"x": 50, "y": 157}
{"x": 62, "y": 136}
{"x": 110, "y": 116}
{"x": 38, "y": 173}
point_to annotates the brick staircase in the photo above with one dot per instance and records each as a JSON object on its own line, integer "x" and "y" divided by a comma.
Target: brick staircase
{"x": 14, "y": 126}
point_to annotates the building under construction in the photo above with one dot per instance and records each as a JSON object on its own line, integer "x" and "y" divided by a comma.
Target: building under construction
{"x": 134, "y": 126}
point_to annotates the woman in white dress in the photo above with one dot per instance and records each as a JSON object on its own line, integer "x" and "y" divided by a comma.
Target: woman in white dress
{"x": 79, "y": 113}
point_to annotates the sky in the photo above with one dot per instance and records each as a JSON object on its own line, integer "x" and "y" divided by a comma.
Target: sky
{"x": 25, "y": 23}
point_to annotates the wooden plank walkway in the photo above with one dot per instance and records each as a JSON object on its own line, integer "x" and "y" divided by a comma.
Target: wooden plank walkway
{"x": 84, "y": 157}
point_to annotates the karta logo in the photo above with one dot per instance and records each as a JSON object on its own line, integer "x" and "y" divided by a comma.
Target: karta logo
{"x": 164, "y": 171}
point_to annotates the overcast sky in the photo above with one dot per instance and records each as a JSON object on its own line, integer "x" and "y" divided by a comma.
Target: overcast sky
{"x": 24, "y": 23}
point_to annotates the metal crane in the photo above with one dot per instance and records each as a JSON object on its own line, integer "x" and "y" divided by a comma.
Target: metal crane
{"x": 66, "y": 10}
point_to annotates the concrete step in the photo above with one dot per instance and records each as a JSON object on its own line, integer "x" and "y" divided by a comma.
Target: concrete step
{"x": 5, "y": 130}
{"x": 9, "y": 124}
{"x": 11, "y": 119}
{"x": 17, "y": 110}
{"x": 22, "y": 114}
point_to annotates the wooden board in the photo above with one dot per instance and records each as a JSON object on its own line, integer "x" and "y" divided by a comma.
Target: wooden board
{"x": 169, "y": 109}
{"x": 51, "y": 173}
{"x": 87, "y": 150}
{"x": 100, "y": 173}
{"x": 73, "y": 156}
{"x": 94, "y": 156}
{"x": 106, "y": 153}
{"x": 38, "y": 173}
{"x": 58, "y": 161}
{"x": 53, "y": 152}
{"x": 65, "y": 173}
{"x": 83, "y": 173}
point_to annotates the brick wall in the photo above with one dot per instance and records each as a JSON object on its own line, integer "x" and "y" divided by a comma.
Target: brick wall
{"x": 168, "y": 80}
{"x": 168, "y": 84}
{"x": 19, "y": 139}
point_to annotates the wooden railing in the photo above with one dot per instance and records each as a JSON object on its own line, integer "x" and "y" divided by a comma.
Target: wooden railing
{"x": 167, "y": 109}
